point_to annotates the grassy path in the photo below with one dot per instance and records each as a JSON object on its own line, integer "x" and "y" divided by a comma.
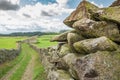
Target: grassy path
{"x": 28, "y": 68}
{"x": 28, "y": 74}
{"x": 10, "y": 73}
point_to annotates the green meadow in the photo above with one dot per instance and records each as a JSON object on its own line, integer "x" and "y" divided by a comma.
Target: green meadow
{"x": 9, "y": 42}
{"x": 44, "y": 41}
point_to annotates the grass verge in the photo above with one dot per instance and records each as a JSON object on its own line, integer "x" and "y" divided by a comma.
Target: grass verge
{"x": 39, "y": 72}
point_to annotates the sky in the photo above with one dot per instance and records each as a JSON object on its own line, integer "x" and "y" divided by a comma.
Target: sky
{"x": 38, "y": 15}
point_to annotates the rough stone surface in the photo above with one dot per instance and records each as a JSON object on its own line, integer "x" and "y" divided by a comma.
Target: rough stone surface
{"x": 83, "y": 24}
{"x": 109, "y": 14}
{"x": 92, "y": 29}
{"x": 72, "y": 38}
{"x": 99, "y": 66}
{"x": 64, "y": 50}
{"x": 93, "y": 45}
{"x": 59, "y": 75}
{"x": 69, "y": 60}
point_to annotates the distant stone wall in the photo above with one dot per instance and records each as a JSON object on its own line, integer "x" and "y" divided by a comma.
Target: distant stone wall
{"x": 7, "y": 55}
{"x": 32, "y": 39}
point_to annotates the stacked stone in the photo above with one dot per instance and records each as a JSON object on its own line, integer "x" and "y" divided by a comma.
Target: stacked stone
{"x": 91, "y": 50}
{"x": 9, "y": 54}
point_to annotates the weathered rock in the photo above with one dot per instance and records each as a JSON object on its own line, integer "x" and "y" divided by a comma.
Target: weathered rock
{"x": 69, "y": 60}
{"x": 99, "y": 66}
{"x": 53, "y": 56}
{"x": 60, "y": 64}
{"x": 51, "y": 60}
{"x": 83, "y": 10}
{"x": 91, "y": 21}
{"x": 116, "y": 3}
{"x": 64, "y": 50}
{"x": 109, "y": 14}
{"x": 62, "y": 37}
{"x": 60, "y": 45}
{"x": 99, "y": 29}
{"x": 83, "y": 24}
{"x": 59, "y": 75}
{"x": 72, "y": 38}
{"x": 93, "y": 45}
{"x": 46, "y": 63}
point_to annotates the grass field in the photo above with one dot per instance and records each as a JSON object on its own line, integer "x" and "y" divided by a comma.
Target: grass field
{"x": 27, "y": 65}
{"x": 9, "y": 42}
{"x": 44, "y": 41}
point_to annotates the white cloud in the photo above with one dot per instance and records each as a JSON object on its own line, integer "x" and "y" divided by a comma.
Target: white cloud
{"x": 35, "y": 11}
{"x": 38, "y": 17}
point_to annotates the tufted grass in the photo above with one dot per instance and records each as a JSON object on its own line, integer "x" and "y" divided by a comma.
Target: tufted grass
{"x": 39, "y": 71}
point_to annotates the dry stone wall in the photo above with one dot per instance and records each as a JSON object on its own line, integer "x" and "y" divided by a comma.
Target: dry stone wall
{"x": 100, "y": 65}
{"x": 91, "y": 51}
{"x": 31, "y": 40}
{"x": 9, "y": 54}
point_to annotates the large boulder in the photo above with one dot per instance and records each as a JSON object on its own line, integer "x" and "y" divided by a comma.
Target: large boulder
{"x": 59, "y": 75}
{"x": 83, "y": 10}
{"x": 101, "y": 65}
{"x": 92, "y": 29}
{"x": 93, "y": 45}
{"x": 92, "y": 22}
{"x": 72, "y": 38}
{"x": 109, "y": 14}
{"x": 83, "y": 24}
{"x": 62, "y": 37}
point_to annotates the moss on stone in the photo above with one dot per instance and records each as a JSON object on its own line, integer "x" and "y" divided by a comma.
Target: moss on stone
{"x": 105, "y": 65}
{"x": 64, "y": 50}
{"x": 93, "y": 45}
{"x": 110, "y": 14}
